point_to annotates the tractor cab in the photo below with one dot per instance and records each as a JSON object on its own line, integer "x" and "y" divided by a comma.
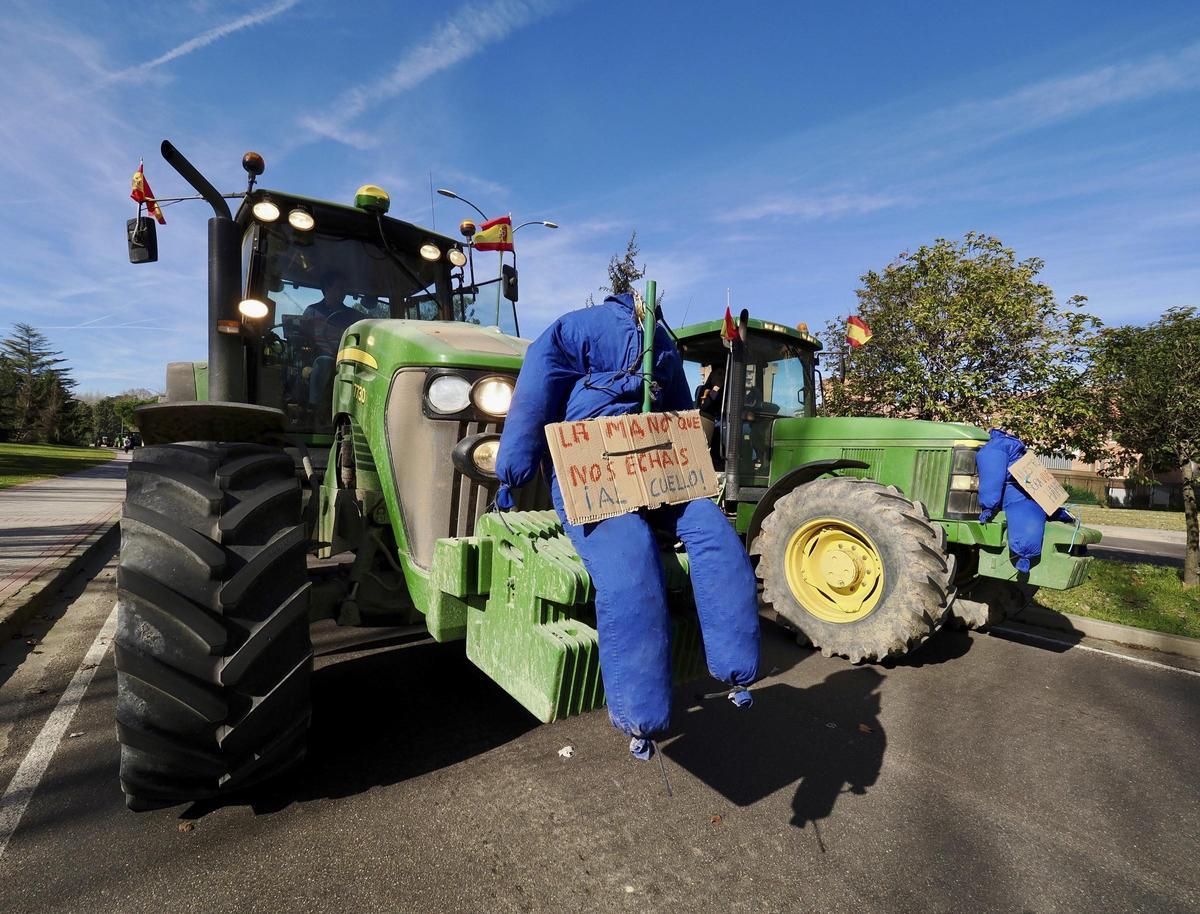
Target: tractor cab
{"x": 311, "y": 269}
{"x": 773, "y": 366}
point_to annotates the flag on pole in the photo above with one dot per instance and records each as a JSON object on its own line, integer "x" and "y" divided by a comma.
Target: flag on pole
{"x": 494, "y": 235}
{"x": 729, "y": 331}
{"x": 857, "y": 331}
{"x": 142, "y": 193}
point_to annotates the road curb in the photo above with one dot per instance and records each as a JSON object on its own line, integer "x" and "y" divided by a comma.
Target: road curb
{"x": 1041, "y": 617}
{"x": 19, "y": 607}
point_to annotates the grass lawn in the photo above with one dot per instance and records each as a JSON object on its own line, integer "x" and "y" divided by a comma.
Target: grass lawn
{"x": 1145, "y": 596}
{"x": 1132, "y": 517}
{"x": 25, "y": 462}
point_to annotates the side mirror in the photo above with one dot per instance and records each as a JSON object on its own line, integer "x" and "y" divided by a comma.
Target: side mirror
{"x": 508, "y": 281}
{"x": 142, "y": 236}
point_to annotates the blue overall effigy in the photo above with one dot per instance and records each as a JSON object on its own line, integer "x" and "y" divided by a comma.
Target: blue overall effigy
{"x": 999, "y": 491}
{"x": 588, "y": 363}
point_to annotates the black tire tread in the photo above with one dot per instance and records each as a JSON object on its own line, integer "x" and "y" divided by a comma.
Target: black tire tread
{"x": 212, "y": 648}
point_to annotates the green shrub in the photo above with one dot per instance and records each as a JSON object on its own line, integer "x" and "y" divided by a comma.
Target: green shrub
{"x": 1078, "y": 496}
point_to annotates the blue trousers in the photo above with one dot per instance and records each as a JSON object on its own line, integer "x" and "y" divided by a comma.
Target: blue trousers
{"x": 621, "y": 555}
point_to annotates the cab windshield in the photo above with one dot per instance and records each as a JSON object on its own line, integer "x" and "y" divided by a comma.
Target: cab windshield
{"x": 315, "y": 286}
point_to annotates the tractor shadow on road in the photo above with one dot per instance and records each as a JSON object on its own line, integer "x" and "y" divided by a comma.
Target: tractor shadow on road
{"x": 394, "y": 713}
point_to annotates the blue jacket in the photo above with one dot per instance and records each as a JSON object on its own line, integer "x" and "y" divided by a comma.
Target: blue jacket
{"x": 587, "y": 363}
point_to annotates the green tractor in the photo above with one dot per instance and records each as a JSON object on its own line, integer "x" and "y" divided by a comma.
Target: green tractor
{"x": 334, "y": 458}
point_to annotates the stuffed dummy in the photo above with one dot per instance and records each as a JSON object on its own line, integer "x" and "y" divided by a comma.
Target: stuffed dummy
{"x": 588, "y": 364}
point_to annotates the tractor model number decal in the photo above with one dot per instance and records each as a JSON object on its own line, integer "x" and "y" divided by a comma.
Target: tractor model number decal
{"x": 360, "y": 393}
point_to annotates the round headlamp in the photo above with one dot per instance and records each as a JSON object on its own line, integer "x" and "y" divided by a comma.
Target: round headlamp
{"x": 484, "y": 456}
{"x": 449, "y": 394}
{"x": 301, "y": 219}
{"x": 431, "y": 251}
{"x": 265, "y": 211}
{"x": 252, "y": 308}
{"x": 493, "y": 396}
{"x": 456, "y": 257}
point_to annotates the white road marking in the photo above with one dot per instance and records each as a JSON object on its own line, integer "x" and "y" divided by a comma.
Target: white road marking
{"x": 1021, "y": 633}
{"x": 23, "y": 784}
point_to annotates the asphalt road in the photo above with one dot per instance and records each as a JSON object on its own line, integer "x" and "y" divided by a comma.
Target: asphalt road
{"x": 982, "y": 775}
{"x": 1132, "y": 548}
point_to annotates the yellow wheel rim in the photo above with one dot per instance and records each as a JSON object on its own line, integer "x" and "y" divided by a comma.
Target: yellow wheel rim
{"x": 834, "y": 570}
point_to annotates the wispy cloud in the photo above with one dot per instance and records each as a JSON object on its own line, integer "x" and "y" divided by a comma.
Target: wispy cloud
{"x": 1057, "y": 99}
{"x": 812, "y": 207}
{"x": 204, "y": 39}
{"x": 467, "y": 32}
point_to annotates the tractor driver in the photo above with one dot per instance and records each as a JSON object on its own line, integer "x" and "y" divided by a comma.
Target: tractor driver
{"x": 323, "y": 324}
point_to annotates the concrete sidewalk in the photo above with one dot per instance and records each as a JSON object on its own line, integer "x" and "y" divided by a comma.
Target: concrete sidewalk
{"x": 43, "y": 522}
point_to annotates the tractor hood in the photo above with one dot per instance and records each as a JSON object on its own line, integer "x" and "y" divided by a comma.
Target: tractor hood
{"x": 391, "y": 344}
{"x": 872, "y": 432}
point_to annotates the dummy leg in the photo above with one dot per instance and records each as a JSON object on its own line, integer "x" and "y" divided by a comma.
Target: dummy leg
{"x": 723, "y": 585}
{"x": 631, "y": 616}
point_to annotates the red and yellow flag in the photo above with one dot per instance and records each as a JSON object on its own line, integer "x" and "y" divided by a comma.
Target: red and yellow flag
{"x": 857, "y": 331}
{"x": 494, "y": 235}
{"x": 142, "y": 193}
{"x": 729, "y": 330}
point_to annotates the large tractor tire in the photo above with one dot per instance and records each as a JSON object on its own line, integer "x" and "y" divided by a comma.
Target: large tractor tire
{"x": 856, "y": 567}
{"x": 987, "y": 601}
{"x": 213, "y": 651}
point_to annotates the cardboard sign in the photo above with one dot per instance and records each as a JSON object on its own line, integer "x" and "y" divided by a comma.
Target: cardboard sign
{"x": 1038, "y": 483}
{"x": 613, "y": 465}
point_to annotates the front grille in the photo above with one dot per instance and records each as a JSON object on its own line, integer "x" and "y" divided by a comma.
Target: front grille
{"x": 469, "y": 499}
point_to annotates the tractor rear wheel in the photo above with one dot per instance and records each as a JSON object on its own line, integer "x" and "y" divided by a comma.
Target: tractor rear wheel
{"x": 856, "y": 567}
{"x": 212, "y": 648}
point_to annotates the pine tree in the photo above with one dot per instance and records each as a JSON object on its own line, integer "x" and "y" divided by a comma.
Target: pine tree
{"x": 624, "y": 271}
{"x": 39, "y": 386}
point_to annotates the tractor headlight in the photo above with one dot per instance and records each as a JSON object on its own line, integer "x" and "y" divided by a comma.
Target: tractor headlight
{"x": 301, "y": 219}
{"x": 475, "y": 457}
{"x": 962, "y": 461}
{"x": 962, "y": 497}
{"x": 449, "y": 394}
{"x": 493, "y": 396}
{"x": 430, "y": 251}
{"x": 253, "y": 308}
{"x": 456, "y": 257}
{"x": 265, "y": 211}
{"x": 484, "y": 456}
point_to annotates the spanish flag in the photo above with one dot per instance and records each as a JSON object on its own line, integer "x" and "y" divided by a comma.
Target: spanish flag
{"x": 494, "y": 235}
{"x": 142, "y": 193}
{"x": 729, "y": 329}
{"x": 857, "y": 331}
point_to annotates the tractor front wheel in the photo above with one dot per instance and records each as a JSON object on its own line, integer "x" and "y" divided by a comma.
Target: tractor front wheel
{"x": 212, "y": 648}
{"x": 856, "y": 567}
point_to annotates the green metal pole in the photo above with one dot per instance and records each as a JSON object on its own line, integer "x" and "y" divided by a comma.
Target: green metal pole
{"x": 648, "y": 324}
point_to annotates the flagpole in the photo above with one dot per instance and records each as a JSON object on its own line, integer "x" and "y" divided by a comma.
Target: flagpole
{"x": 500, "y": 287}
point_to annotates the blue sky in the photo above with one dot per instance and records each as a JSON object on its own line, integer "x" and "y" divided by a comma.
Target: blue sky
{"x": 776, "y": 149}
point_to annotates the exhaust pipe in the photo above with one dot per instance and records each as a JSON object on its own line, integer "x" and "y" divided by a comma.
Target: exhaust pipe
{"x": 226, "y": 352}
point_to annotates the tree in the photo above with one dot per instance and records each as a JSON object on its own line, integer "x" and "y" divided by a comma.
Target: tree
{"x": 964, "y": 332}
{"x": 623, "y": 271}
{"x": 1147, "y": 381}
{"x": 39, "y": 387}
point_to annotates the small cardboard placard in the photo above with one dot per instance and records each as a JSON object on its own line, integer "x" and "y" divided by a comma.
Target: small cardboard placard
{"x": 613, "y": 465}
{"x": 1038, "y": 483}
